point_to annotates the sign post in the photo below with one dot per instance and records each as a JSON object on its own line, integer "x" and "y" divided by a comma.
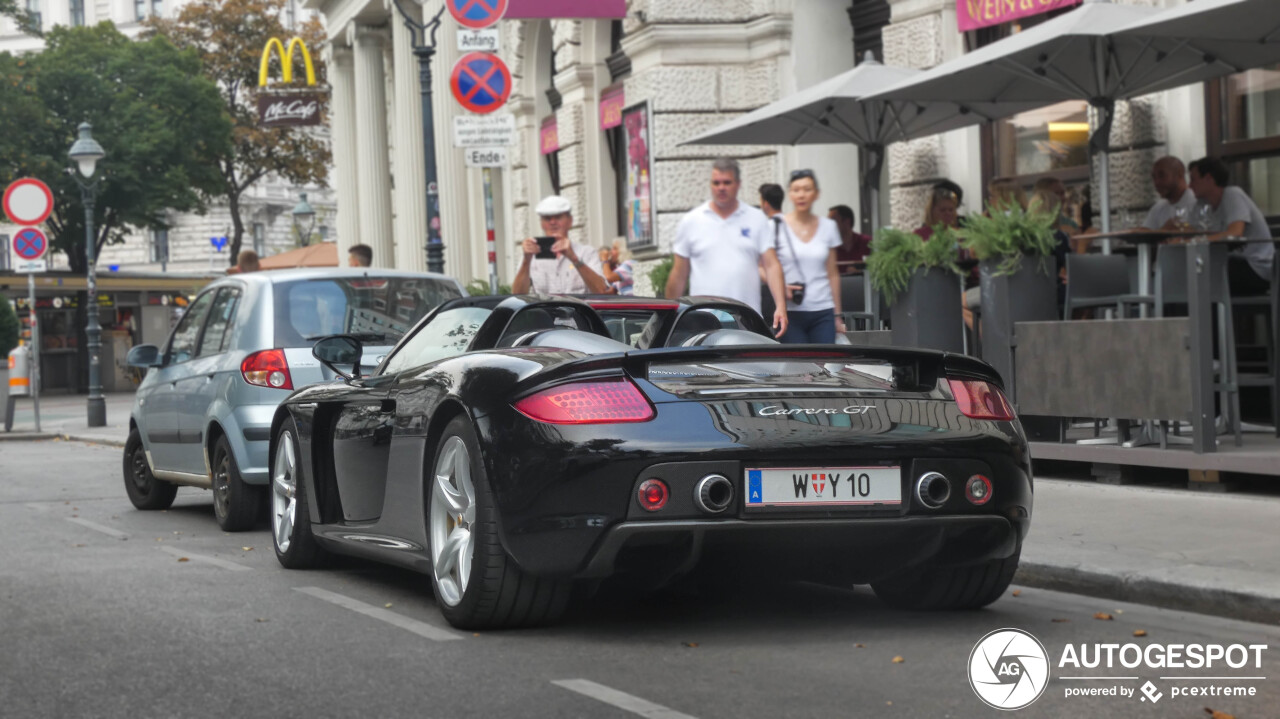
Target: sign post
{"x": 29, "y": 247}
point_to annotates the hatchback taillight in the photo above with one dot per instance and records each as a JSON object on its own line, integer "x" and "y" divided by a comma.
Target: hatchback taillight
{"x": 267, "y": 368}
{"x": 602, "y": 402}
{"x": 981, "y": 400}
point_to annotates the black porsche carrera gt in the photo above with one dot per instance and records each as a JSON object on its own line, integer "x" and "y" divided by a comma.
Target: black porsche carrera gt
{"x": 510, "y": 446}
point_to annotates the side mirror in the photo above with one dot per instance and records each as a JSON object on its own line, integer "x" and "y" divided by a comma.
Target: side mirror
{"x": 339, "y": 350}
{"x": 143, "y": 356}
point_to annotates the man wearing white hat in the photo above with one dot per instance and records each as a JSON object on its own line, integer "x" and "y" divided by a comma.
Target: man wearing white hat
{"x": 576, "y": 268}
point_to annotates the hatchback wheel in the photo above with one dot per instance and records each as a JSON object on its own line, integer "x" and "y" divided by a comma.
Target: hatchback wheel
{"x": 144, "y": 490}
{"x": 235, "y": 504}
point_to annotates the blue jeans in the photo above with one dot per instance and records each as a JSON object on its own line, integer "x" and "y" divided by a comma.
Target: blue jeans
{"x": 817, "y": 327}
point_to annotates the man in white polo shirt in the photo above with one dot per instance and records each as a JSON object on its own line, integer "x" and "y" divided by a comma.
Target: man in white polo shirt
{"x": 576, "y": 268}
{"x": 720, "y": 246}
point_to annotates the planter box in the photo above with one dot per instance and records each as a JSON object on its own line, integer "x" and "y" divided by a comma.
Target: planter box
{"x": 1027, "y": 295}
{"x": 928, "y": 314}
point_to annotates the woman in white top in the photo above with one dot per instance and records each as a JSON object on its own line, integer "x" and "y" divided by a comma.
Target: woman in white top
{"x": 806, "y": 246}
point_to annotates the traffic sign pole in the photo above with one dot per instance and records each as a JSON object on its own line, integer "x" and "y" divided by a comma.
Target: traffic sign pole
{"x": 34, "y": 363}
{"x": 490, "y": 239}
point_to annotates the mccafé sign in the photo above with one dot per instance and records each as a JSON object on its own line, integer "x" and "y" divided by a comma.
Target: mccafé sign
{"x": 975, "y": 14}
{"x": 287, "y": 108}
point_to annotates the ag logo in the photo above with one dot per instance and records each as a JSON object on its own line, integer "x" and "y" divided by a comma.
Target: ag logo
{"x": 1008, "y": 669}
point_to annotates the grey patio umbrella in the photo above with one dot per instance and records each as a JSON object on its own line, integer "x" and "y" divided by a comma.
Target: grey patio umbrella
{"x": 1097, "y": 53}
{"x": 1204, "y": 23}
{"x": 835, "y": 111}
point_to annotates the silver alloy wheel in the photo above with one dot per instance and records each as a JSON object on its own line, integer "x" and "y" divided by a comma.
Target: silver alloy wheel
{"x": 284, "y": 492}
{"x": 453, "y": 515}
{"x": 221, "y": 485}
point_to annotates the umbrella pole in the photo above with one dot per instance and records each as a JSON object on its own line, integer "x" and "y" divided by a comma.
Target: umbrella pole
{"x": 868, "y": 297}
{"x": 1104, "y": 188}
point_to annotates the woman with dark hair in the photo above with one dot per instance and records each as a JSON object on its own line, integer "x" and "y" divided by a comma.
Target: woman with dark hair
{"x": 806, "y": 245}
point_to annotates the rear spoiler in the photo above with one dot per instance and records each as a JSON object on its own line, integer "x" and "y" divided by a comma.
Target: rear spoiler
{"x": 637, "y": 363}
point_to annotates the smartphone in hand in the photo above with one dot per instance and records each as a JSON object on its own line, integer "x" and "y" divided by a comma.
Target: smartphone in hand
{"x": 544, "y": 248}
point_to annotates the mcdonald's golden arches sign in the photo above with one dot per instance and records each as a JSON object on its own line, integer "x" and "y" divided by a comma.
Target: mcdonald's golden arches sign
{"x": 287, "y": 108}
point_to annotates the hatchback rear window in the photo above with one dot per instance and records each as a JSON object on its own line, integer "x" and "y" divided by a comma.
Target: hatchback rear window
{"x": 375, "y": 309}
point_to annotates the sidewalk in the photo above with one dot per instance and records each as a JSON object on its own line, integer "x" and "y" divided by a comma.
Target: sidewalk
{"x": 1208, "y": 553}
{"x": 63, "y": 415}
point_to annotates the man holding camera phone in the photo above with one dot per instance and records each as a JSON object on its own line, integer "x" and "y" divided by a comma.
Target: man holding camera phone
{"x": 554, "y": 264}
{"x": 719, "y": 246}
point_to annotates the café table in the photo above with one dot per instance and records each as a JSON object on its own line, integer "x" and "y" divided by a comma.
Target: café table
{"x": 1145, "y": 240}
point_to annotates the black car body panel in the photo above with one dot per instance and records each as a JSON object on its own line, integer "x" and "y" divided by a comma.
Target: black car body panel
{"x": 566, "y": 493}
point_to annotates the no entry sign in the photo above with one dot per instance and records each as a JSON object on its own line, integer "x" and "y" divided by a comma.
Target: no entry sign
{"x": 481, "y": 82}
{"x": 477, "y": 14}
{"x": 30, "y": 244}
{"x": 28, "y": 202}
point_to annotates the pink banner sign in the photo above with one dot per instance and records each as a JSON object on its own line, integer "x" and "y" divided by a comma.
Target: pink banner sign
{"x": 611, "y": 104}
{"x": 975, "y": 14}
{"x": 533, "y": 9}
{"x": 549, "y": 136}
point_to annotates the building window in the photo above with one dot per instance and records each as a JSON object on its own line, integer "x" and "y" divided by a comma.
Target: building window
{"x": 160, "y": 246}
{"x": 142, "y": 8}
{"x": 77, "y": 13}
{"x": 1244, "y": 130}
{"x": 36, "y": 21}
{"x": 4, "y": 252}
{"x": 260, "y": 239}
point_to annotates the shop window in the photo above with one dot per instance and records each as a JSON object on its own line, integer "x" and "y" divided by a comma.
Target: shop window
{"x": 260, "y": 239}
{"x": 77, "y": 13}
{"x": 1042, "y": 141}
{"x": 1244, "y": 130}
{"x": 160, "y": 246}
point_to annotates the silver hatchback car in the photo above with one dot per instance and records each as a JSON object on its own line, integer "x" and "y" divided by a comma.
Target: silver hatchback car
{"x": 202, "y": 416}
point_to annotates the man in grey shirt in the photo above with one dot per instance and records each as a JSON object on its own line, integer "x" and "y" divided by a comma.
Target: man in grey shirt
{"x": 1169, "y": 176}
{"x": 1234, "y": 214}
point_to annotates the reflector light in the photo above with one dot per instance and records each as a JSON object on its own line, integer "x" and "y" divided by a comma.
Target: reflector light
{"x": 978, "y": 490}
{"x": 653, "y": 494}
{"x": 267, "y": 368}
{"x": 980, "y": 400}
{"x": 603, "y": 402}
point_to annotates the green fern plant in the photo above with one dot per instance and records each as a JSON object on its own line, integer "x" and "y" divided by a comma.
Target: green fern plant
{"x": 1008, "y": 233}
{"x": 896, "y": 255}
{"x": 479, "y": 288}
{"x": 659, "y": 273}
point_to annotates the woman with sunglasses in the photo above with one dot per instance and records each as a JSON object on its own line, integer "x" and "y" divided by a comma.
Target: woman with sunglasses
{"x": 806, "y": 245}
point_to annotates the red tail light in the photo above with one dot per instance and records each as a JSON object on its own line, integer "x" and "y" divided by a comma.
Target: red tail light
{"x": 653, "y": 494}
{"x": 267, "y": 368}
{"x": 981, "y": 400}
{"x": 605, "y": 402}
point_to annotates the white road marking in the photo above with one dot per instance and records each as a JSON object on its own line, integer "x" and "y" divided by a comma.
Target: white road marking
{"x": 98, "y": 527}
{"x": 622, "y": 700}
{"x": 422, "y": 629}
{"x": 175, "y": 551}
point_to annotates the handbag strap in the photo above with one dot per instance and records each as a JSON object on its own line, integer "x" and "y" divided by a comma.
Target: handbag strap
{"x": 777, "y": 221}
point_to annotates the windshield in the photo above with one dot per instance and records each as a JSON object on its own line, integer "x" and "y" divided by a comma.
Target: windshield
{"x": 374, "y": 309}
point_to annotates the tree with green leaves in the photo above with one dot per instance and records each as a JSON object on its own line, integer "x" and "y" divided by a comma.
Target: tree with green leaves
{"x": 12, "y": 10}
{"x": 8, "y": 328}
{"x": 229, "y": 36}
{"x": 159, "y": 119}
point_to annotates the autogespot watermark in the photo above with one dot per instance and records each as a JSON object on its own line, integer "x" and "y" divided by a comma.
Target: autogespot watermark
{"x": 1010, "y": 668}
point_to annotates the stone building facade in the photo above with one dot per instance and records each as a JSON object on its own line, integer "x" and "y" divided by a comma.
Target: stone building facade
{"x": 265, "y": 208}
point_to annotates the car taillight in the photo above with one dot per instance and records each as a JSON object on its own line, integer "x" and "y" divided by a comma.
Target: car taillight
{"x": 980, "y": 400}
{"x": 267, "y": 368}
{"x": 604, "y": 402}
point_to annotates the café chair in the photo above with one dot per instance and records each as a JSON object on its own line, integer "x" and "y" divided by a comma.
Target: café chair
{"x": 1100, "y": 282}
{"x": 853, "y": 300}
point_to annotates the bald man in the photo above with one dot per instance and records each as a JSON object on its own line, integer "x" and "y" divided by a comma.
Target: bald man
{"x": 1169, "y": 176}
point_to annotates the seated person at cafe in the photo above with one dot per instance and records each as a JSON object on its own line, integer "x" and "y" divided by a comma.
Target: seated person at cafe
{"x": 1058, "y": 189}
{"x": 1169, "y": 176}
{"x": 1046, "y": 201}
{"x": 1234, "y": 214}
{"x": 854, "y": 247}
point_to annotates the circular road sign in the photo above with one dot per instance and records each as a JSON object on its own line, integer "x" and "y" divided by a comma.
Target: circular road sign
{"x": 30, "y": 244}
{"x": 28, "y": 202}
{"x": 481, "y": 82}
{"x": 477, "y": 14}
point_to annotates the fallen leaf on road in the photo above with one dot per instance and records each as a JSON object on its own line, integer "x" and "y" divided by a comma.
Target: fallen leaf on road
{"x": 1017, "y": 592}
{"x": 691, "y": 645}
{"x": 247, "y": 549}
{"x": 75, "y": 515}
{"x": 898, "y": 660}
{"x": 387, "y": 605}
{"x": 860, "y": 646}
{"x": 77, "y": 545}
{"x": 888, "y": 704}
{"x": 183, "y": 559}
{"x": 475, "y": 634}
{"x": 177, "y": 532}
{"x": 1217, "y": 714}
{"x": 75, "y": 509}
{"x": 159, "y": 539}
{"x": 1059, "y": 621}
{"x": 1139, "y": 632}
{"x": 261, "y": 620}
{"x": 1103, "y": 616}
{"x": 1119, "y": 611}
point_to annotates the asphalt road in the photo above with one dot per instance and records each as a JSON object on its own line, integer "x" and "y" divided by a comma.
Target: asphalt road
{"x": 106, "y": 611}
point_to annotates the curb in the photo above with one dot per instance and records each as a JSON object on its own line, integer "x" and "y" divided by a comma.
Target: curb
{"x": 1216, "y": 601}
{"x": 31, "y": 436}
{"x": 44, "y": 436}
{"x": 94, "y": 440}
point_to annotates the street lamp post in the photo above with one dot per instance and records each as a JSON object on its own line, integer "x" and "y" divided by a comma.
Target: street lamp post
{"x": 304, "y": 214}
{"x": 423, "y": 35}
{"x": 85, "y": 153}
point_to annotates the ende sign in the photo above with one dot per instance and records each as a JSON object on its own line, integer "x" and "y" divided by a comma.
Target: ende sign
{"x": 288, "y": 110}
{"x": 975, "y": 14}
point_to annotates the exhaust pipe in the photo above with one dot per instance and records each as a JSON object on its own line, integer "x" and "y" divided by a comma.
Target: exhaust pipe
{"x": 713, "y": 494}
{"x": 933, "y": 490}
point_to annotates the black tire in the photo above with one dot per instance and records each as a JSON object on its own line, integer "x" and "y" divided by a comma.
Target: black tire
{"x": 970, "y": 586}
{"x": 236, "y": 505}
{"x": 144, "y": 490}
{"x": 301, "y": 551}
{"x": 498, "y": 594}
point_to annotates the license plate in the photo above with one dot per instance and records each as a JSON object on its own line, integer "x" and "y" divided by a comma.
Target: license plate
{"x": 823, "y": 487}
